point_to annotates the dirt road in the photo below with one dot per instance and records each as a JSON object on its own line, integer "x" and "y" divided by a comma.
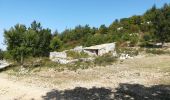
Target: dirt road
{"x": 134, "y": 79}
{"x": 10, "y": 90}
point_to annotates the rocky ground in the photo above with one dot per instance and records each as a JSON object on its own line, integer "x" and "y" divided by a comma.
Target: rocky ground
{"x": 141, "y": 78}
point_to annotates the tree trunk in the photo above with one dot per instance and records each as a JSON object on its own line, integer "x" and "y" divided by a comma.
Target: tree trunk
{"x": 22, "y": 59}
{"x": 162, "y": 44}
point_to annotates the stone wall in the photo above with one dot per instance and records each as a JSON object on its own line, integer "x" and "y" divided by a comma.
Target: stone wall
{"x": 60, "y": 57}
{"x": 4, "y": 64}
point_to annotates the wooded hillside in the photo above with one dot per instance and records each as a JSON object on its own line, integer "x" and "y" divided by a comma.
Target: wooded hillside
{"x": 139, "y": 30}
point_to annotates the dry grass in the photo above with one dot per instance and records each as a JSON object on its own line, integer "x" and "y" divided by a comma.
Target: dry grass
{"x": 146, "y": 71}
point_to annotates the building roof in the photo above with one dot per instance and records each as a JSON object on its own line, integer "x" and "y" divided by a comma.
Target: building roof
{"x": 98, "y": 47}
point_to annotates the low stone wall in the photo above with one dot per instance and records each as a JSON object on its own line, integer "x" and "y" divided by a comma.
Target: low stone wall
{"x": 3, "y": 64}
{"x": 61, "y": 58}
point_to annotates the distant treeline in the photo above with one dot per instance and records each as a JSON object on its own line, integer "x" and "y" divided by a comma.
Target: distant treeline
{"x": 151, "y": 27}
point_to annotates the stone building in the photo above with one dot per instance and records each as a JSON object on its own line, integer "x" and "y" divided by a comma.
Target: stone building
{"x": 97, "y": 50}
{"x": 100, "y": 50}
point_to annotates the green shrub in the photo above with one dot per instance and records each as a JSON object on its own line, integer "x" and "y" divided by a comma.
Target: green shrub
{"x": 104, "y": 60}
{"x": 134, "y": 39}
{"x": 55, "y": 43}
{"x": 157, "y": 51}
{"x": 5, "y": 55}
{"x": 129, "y": 51}
{"x": 76, "y": 55}
{"x": 79, "y": 65}
{"x": 1, "y": 54}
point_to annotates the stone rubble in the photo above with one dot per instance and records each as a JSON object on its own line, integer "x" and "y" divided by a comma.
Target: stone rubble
{"x": 125, "y": 56}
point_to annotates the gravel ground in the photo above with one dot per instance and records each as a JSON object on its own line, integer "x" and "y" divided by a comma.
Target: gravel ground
{"x": 145, "y": 77}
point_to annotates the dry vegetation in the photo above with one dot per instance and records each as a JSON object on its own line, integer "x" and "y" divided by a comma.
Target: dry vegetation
{"x": 145, "y": 71}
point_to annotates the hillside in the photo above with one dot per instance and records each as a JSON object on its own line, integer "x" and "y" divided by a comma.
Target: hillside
{"x": 136, "y": 79}
{"x": 127, "y": 60}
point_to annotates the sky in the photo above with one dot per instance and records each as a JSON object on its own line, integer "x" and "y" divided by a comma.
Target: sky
{"x": 62, "y": 14}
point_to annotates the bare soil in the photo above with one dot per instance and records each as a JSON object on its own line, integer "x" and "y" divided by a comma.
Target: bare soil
{"x": 144, "y": 77}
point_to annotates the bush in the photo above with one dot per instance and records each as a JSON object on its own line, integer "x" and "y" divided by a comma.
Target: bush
{"x": 134, "y": 39}
{"x": 77, "y": 55}
{"x": 55, "y": 43}
{"x": 1, "y": 54}
{"x": 157, "y": 51}
{"x": 6, "y": 55}
{"x": 79, "y": 65}
{"x": 129, "y": 51}
{"x": 104, "y": 60}
{"x": 47, "y": 63}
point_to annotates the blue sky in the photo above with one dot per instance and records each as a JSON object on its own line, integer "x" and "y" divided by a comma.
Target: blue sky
{"x": 62, "y": 14}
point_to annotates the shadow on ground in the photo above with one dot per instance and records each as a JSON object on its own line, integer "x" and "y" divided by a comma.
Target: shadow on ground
{"x": 123, "y": 92}
{"x": 140, "y": 92}
{"x": 80, "y": 93}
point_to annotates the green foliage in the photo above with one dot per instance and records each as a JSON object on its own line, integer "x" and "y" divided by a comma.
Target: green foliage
{"x": 157, "y": 51}
{"x": 23, "y": 42}
{"x": 160, "y": 22}
{"x": 134, "y": 39}
{"x": 1, "y": 54}
{"x": 46, "y": 63}
{"x": 155, "y": 21}
{"x": 94, "y": 40}
{"x": 149, "y": 28}
{"x": 147, "y": 39}
{"x": 76, "y": 55}
{"x": 56, "y": 43}
{"x": 7, "y": 55}
{"x": 36, "y": 64}
{"x": 15, "y": 42}
{"x": 79, "y": 65}
{"x": 104, "y": 60}
{"x": 102, "y": 30}
{"x": 129, "y": 51}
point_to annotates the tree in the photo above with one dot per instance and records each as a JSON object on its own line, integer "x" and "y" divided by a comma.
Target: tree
{"x": 41, "y": 40}
{"x": 14, "y": 39}
{"x": 1, "y": 54}
{"x": 56, "y": 43}
{"x": 103, "y": 29}
{"x": 45, "y": 37}
{"x": 161, "y": 27}
{"x": 159, "y": 22}
{"x": 56, "y": 33}
{"x": 23, "y": 42}
{"x": 31, "y": 40}
{"x": 114, "y": 26}
{"x": 136, "y": 20}
{"x": 36, "y": 26}
{"x": 150, "y": 14}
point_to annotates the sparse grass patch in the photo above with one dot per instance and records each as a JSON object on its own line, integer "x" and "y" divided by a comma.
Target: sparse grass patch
{"x": 157, "y": 51}
{"x": 104, "y": 60}
{"x": 45, "y": 64}
{"x": 34, "y": 65}
{"x": 77, "y": 55}
{"x": 129, "y": 51}
{"x": 79, "y": 65}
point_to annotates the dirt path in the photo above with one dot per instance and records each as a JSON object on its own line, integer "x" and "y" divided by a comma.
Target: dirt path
{"x": 120, "y": 81}
{"x": 12, "y": 90}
